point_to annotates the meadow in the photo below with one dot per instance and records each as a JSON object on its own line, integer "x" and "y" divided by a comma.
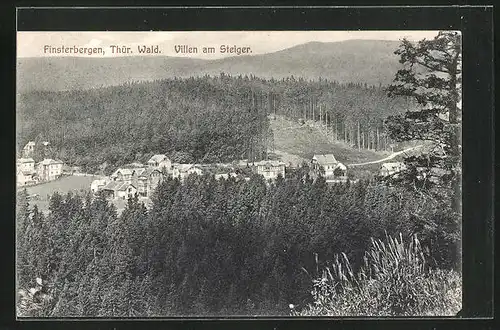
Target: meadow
{"x": 74, "y": 184}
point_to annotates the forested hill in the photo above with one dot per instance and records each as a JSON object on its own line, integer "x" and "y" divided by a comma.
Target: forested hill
{"x": 354, "y": 61}
{"x": 206, "y": 119}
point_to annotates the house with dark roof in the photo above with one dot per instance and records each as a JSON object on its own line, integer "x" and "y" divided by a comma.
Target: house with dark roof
{"x": 144, "y": 180}
{"x": 25, "y": 178}
{"x": 26, "y": 173}
{"x": 127, "y": 174}
{"x": 119, "y": 190}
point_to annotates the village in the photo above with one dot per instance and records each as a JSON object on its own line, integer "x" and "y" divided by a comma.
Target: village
{"x": 141, "y": 180}
{"x": 30, "y": 173}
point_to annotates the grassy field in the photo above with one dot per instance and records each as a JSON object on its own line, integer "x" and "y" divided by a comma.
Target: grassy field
{"x": 305, "y": 141}
{"x": 64, "y": 185}
{"x": 74, "y": 184}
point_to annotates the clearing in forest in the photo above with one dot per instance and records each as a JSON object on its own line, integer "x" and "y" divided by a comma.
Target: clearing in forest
{"x": 302, "y": 140}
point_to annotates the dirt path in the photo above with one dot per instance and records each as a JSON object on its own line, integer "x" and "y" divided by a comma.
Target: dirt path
{"x": 388, "y": 157}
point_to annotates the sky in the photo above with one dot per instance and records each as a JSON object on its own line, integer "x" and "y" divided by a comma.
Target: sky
{"x": 31, "y": 44}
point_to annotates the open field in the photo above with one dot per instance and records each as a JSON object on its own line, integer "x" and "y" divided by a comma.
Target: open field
{"x": 304, "y": 141}
{"x": 63, "y": 185}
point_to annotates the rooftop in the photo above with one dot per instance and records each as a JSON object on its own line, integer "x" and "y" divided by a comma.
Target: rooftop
{"x": 117, "y": 186}
{"x": 269, "y": 163}
{"x": 147, "y": 172}
{"x": 48, "y": 161}
{"x": 325, "y": 159}
{"x": 128, "y": 171}
{"x": 157, "y": 158}
{"x": 100, "y": 182}
{"x": 25, "y": 160}
{"x": 186, "y": 167}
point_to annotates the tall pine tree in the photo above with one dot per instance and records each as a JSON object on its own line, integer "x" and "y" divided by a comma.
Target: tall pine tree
{"x": 431, "y": 75}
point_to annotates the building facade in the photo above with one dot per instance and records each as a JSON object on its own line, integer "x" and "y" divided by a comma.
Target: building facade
{"x": 29, "y": 149}
{"x": 182, "y": 171}
{"x": 160, "y": 162}
{"x": 49, "y": 169}
{"x": 25, "y": 178}
{"x": 98, "y": 184}
{"x": 270, "y": 169}
{"x": 387, "y": 169}
{"x": 125, "y": 181}
{"x": 148, "y": 181}
{"x": 26, "y": 165}
{"x": 329, "y": 166}
{"x": 119, "y": 190}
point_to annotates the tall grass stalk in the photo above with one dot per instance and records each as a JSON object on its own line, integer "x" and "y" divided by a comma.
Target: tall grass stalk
{"x": 394, "y": 280}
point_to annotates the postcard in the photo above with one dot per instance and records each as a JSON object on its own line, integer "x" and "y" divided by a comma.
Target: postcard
{"x": 239, "y": 173}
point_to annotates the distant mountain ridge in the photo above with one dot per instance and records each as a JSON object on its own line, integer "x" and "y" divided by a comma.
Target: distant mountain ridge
{"x": 358, "y": 61}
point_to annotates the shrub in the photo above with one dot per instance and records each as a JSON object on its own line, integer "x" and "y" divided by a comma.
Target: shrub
{"x": 394, "y": 280}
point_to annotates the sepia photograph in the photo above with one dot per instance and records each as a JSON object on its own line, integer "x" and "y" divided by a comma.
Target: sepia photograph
{"x": 238, "y": 173}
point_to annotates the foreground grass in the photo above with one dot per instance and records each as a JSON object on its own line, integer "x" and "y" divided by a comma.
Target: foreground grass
{"x": 394, "y": 281}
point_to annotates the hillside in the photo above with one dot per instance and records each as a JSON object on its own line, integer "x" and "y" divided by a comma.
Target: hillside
{"x": 304, "y": 141}
{"x": 358, "y": 61}
{"x": 204, "y": 119}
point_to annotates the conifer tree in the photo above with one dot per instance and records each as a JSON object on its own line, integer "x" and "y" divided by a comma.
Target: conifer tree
{"x": 432, "y": 76}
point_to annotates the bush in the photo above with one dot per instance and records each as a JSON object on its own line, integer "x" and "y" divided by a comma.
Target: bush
{"x": 394, "y": 280}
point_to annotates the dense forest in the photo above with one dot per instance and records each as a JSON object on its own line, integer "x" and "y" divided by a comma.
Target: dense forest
{"x": 197, "y": 252}
{"x": 206, "y": 119}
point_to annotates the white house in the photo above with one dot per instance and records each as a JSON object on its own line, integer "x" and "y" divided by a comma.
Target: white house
{"x": 25, "y": 178}
{"x": 270, "y": 169}
{"x": 387, "y": 169}
{"x": 159, "y": 162}
{"x": 26, "y": 165}
{"x": 26, "y": 174}
{"x": 29, "y": 148}
{"x": 329, "y": 165}
{"x": 49, "y": 169}
{"x": 98, "y": 184}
